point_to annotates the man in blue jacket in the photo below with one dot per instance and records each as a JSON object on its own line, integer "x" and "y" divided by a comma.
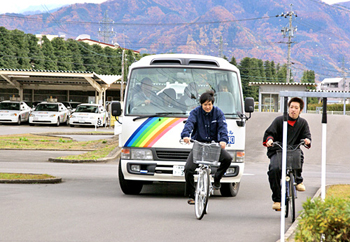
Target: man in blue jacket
{"x": 206, "y": 123}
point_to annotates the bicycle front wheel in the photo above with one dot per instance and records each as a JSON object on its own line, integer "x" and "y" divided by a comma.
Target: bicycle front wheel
{"x": 286, "y": 213}
{"x": 292, "y": 196}
{"x": 202, "y": 193}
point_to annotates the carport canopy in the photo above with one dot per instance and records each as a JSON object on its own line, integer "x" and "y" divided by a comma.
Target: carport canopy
{"x": 58, "y": 80}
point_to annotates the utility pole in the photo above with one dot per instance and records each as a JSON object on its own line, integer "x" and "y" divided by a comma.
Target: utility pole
{"x": 106, "y": 31}
{"x": 290, "y": 31}
{"x": 122, "y": 81}
{"x": 220, "y": 48}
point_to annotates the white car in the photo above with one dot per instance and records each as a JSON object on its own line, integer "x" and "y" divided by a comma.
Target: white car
{"x": 89, "y": 114}
{"x": 14, "y": 112}
{"x": 49, "y": 113}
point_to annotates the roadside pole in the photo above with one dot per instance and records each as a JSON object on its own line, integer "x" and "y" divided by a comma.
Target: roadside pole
{"x": 324, "y": 145}
{"x": 284, "y": 166}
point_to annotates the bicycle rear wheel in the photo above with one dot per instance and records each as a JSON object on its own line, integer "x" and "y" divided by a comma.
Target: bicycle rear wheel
{"x": 292, "y": 196}
{"x": 202, "y": 193}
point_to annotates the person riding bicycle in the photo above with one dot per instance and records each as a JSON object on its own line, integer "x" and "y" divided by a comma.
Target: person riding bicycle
{"x": 206, "y": 123}
{"x": 298, "y": 129}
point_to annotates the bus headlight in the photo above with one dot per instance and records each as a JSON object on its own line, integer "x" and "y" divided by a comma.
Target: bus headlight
{"x": 141, "y": 154}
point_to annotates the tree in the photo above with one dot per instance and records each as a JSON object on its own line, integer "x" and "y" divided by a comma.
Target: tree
{"x": 233, "y": 61}
{"x": 20, "y": 47}
{"x": 309, "y": 77}
{"x": 7, "y": 52}
{"x": 88, "y": 56}
{"x": 268, "y": 71}
{"x": 76, "y": 58}
{"x": 261, "y": 69}
{"x": 282, "y": 73}
{"x": 64, "y": 60}
{"x": 36, "y": 57}
{"x": 114, "y": 60}
{"x": 273, "y": 71}
{"x": 48, "y": 52}
{"x": 248, "y": 68}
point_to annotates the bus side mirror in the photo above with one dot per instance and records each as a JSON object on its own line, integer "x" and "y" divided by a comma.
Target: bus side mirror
{"x": 116, "y": 108}
{"x": 249, "y": 105}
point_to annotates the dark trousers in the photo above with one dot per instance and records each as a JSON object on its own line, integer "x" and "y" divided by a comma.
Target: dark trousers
{"x": 275, "y": 175}
{"x": 190, "y": 167}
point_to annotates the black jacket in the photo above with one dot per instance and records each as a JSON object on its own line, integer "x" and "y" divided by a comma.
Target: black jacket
{"x": 300, "y": 130}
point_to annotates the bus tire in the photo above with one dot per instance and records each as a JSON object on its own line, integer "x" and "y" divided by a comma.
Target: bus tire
{"x": 229, "y": 189}
{"x": 128, "y": 187}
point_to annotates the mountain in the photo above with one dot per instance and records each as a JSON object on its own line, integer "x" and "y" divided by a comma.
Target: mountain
{"x": 239, "y": 28}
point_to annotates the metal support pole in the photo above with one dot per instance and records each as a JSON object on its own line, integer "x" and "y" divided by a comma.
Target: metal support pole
{"x": 324, "y": 146}
{"x": 284, "y": 166}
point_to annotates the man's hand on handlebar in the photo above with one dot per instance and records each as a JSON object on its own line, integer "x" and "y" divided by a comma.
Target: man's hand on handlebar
{"x": 223, "y": 145}
{"x": 269, "y": 143}
{"x": 307, "y": 141}
{"x": 187, "y": 140}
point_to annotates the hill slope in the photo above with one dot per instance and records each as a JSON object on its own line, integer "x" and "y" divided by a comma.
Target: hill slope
{"x": 239, "y": 28}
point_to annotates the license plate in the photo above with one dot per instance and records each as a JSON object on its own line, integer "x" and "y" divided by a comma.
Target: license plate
{"x": 178, "y": 170}
{"x": 81, "y": 121}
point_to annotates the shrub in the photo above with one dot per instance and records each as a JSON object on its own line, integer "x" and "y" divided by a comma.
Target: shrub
{"x": 327, "y": 220}
{"x": 330, "y": 107}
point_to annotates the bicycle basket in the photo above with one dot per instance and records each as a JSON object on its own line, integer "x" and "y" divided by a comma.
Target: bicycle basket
{"x": 206, "y": 153}
{"x": 293, "y": 159}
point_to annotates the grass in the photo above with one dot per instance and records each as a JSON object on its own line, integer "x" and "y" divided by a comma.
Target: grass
{"x": 340, "y": 190}
{"x": 92, "y": 155}
{"x": 43, "y": 142}
{"x": 23, "y": 176}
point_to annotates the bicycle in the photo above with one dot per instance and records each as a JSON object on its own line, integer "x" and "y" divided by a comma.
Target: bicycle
{"x": 293, "y": 163}
{"x": 205, "y": 155}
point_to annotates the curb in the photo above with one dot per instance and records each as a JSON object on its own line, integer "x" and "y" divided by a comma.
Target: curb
{"x": 33, "y": 181}
{"x": 112, "y": 156}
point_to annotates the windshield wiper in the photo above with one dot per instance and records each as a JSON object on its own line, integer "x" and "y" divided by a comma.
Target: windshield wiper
{"x": 158, "y": 114}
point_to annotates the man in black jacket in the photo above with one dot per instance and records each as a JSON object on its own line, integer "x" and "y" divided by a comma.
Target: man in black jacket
{"x": 298, "y": 129}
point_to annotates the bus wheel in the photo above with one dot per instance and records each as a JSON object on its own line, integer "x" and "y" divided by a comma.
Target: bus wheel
{"x": 128, "y": 187}
{"x": 229, "y": 189}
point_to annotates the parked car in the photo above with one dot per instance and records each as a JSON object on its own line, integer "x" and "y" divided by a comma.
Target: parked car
{"x": 71, "y": 105}
{"x": 14, "y": 112}
{"x": 89, "y": 114}
{"x": 49, "y": 113}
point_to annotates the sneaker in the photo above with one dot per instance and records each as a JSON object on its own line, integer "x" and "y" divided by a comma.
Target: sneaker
{"x": 300, "y": 187}
{"x": 216, "y": 185}
{"x": 191, "y": 201}
{"x": 276, "y": 206}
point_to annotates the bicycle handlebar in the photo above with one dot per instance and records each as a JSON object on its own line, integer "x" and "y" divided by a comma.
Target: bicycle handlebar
{"x": 181, "y": 141}
{"x": 279, "y": 144}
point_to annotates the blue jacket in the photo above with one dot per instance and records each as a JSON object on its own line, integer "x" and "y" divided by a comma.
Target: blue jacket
{"x": 206, "y": 127}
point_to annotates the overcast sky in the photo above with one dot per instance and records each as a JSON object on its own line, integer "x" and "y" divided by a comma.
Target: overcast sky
{"x": 18, "y": 6}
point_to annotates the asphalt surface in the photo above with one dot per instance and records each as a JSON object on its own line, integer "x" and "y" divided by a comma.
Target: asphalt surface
{"x": 89, "y": 206}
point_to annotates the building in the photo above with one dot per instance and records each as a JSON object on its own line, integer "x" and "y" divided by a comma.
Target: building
{"x": 334, "y": 85}
{"x": 103, "y": 45}
{"x": 269, "y": 94}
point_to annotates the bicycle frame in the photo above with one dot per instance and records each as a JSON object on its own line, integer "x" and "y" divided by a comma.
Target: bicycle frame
{"x": 204, "y": 155}
{"x": 291, "y": 191}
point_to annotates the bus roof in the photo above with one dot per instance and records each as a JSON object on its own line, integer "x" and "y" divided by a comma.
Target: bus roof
{"x": 184, "y": 60}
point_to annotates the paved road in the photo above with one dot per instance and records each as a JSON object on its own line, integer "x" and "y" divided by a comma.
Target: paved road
{"x": 89, "y": 206}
